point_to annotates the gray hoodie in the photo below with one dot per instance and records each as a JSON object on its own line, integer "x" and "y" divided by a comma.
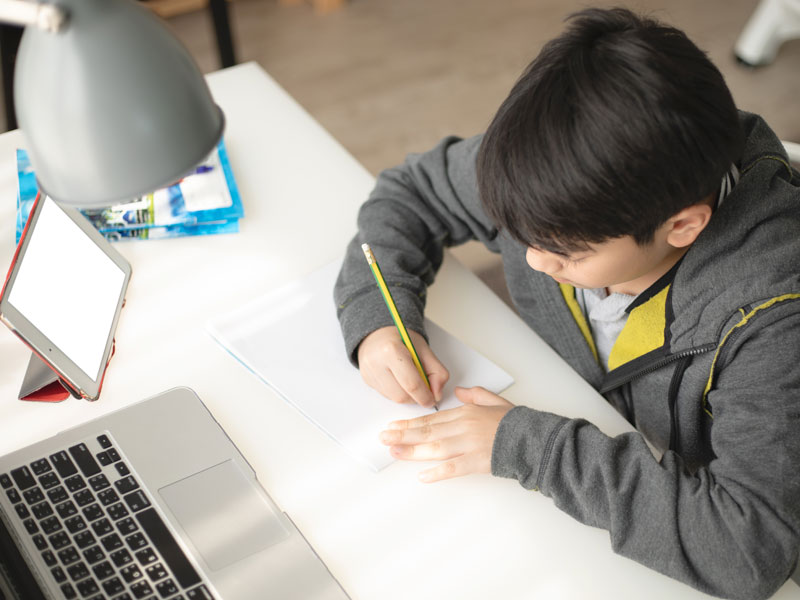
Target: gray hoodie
{"x": 707, "y": 368}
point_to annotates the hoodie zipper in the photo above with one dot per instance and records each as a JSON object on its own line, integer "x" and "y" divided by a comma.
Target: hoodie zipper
{"x": 624, "y": 378}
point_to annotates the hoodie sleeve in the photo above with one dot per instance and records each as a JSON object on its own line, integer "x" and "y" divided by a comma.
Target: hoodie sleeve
{"x": 412, "y": 214}
{"x": 731, "y": 528}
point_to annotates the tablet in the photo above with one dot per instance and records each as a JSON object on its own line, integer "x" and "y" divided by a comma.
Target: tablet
{"x": 64, "y": 293}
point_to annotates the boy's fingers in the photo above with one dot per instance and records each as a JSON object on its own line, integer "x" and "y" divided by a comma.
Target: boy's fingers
{"x": 419, "y": 435}
{"x": 435, "y": 450}
{"x": 385, "y": 383}
{"x": 480, "y": 396}
{"x": 437, "y": 373}
{"x": 407, "y": 375}
{"x": 438, "y": 417}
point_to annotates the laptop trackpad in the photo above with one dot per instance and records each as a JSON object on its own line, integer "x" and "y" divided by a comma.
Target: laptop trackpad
{"x": 223, "y": 514}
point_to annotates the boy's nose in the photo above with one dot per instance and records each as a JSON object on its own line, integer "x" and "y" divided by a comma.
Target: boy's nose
{"x": 542, "y": 261}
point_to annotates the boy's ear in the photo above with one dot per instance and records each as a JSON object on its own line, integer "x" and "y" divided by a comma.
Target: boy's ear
{"x": 684, "y": 226}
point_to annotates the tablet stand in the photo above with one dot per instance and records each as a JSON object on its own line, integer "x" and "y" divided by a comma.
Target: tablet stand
{"x": 42, "y": 384}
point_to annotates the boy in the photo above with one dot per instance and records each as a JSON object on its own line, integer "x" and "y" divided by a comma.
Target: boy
{"x": 649, "y": 233}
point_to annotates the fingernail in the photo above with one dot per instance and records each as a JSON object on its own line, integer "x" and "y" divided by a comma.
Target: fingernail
{"x": 387, "y": 437}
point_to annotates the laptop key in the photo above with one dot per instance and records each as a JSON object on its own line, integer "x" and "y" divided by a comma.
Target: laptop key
{"x": 22, "y": 511}
{"x": 63, "y": 464}
{"x": 156, "y": 572}
{"x": 67, "y": 556}
{"x": 117, "y": 511}
{"x": 111, "y": 542}
{"x": 48, "y": 558}
{"x": 108, "y": 496}
{"x": 42, "y": 510}
{"x": 66, "y": 509}
{"x": 136, "y": 500}
{"x": 122, "y": 469}
{"x": 58, "y": 574}
{"x": 127, "y": 484}
{"x": 31, "y": 527}
{"x": 103, "y": 570}
{"x": 59, "y": 540}
{"x": 102, "y": 527}
{"x": 84, "y": 539}
{"x": 13, "y": 496}
{"x": 84, "y": 497}
{"x": 113, "y": 586}
{"x": 68, "y": 591}
{"x": 78, "y": 571}
{"x": 23, "y": 478}
{"x": 58, "y": 494}
{"x": 75, "y": 524}
{"x": 166, "y": 588}
{"x": 99, "y": 482}
{"x": 5, "y": 481}
{"x": 75, "y": 483}
{"x": 87, "y": 587}
{"x": 94, "y": 554}
{"x": 40, "y": 466}
{"x": 49, "y": 480}
{"x": 146, "y": 556}
{"x": 39, "y": 541}
{"x": 141, "y": 589}
{"x": 104, "y": 441}
{"x": 136, "y": 541}
{"x": 114, "y": 455}
{"x": 33, "y": 495}
{"x": 83, "y": 457}
{"x": 150, "y": 521}
{"x": 127, "y": 526}
{"x": 199, "y": 593}
{"x": 93, "y": 512}
{"x": 103, "y": 458}
{"x": 121, "y": 557}
{"x": 49, "y": 525}
{"x": 131, "y": 573}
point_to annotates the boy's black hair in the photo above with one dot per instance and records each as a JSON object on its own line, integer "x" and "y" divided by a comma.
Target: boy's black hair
{"x": 618, "y": 124}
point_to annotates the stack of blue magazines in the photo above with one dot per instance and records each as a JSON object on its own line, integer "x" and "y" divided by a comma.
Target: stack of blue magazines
{"x": 205, "y": 201}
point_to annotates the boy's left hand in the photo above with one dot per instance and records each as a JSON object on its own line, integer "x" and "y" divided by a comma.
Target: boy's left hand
{"x": 461, "y": 436}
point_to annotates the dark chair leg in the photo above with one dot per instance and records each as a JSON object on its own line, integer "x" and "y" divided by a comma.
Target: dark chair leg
{"x": 222, "y": 29}
{"x": 10, "y": 37}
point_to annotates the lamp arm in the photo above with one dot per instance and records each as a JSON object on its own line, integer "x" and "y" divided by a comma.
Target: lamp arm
{"x": 47, "y": 17}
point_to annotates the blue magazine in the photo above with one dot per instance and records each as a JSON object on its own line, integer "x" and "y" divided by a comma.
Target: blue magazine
{"x": 204, "y": 202}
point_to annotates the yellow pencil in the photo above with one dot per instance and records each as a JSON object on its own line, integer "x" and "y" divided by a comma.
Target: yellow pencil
{"x": 387, "y": 297}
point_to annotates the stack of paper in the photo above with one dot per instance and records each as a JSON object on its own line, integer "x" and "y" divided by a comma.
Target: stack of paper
{"x": 290, "y": 338}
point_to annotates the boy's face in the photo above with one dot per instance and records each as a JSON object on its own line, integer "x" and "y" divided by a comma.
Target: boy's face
{"x": 620, "y": 263}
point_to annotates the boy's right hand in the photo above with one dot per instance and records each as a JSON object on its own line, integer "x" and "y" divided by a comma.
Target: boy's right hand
{"x": 386, "y": 365}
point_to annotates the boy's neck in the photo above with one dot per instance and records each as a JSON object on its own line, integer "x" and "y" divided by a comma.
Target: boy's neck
{"x": 637, "y": 286}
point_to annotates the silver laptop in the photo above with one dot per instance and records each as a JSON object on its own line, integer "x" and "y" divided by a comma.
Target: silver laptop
{"x": 151, "y": 501}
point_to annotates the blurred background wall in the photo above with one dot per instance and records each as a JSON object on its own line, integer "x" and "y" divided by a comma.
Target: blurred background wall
{"x": 389, "y": 77}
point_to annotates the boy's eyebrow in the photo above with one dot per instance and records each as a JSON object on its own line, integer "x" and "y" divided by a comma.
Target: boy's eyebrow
{"x": 565, "y": 253}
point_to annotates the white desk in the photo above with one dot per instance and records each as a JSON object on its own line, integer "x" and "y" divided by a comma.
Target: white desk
{"x": 382, "y": 535}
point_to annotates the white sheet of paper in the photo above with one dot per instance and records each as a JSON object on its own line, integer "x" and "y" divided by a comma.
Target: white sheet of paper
{"x": 290, "y": 338}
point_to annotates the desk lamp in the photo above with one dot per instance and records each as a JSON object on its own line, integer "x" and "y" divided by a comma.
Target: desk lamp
{"x": 110, "y": 103}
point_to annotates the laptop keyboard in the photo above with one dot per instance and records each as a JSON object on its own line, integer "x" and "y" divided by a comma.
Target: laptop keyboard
{"x": 96, "y": 528}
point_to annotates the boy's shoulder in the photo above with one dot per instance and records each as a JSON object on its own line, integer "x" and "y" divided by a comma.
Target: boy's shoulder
{"x": 748, "y": 254}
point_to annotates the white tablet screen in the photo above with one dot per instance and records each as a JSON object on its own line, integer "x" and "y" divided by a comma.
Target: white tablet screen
{"x": 68, "y": 288}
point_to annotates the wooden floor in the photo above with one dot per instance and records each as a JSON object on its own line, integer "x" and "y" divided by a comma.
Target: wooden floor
{"x": 389, "y": 77}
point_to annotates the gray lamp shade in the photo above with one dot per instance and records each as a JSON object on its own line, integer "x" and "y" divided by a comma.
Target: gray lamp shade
{"x": 112, "y": 106}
